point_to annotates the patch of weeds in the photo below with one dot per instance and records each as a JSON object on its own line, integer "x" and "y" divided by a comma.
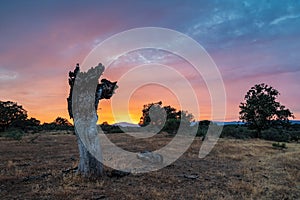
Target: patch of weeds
{"x": 279, "y": 145}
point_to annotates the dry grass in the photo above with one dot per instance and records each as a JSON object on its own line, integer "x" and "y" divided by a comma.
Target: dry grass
{"x": 235, "y": 169}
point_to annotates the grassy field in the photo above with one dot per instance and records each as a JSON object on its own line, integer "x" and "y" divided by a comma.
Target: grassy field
{"x": 36, "y": 167}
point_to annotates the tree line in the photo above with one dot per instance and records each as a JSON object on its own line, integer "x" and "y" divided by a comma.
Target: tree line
{"x": 263, "y": 116}
{"x": 14, "y": 119}
{"x": 261, "y": 113}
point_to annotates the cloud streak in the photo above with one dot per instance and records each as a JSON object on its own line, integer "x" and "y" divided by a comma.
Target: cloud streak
{"x": 283, "y": 18}
{"x": 6, "y": 75}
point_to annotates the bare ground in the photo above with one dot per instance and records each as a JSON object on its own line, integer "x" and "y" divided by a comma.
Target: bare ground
{"x": 37, "y": 168}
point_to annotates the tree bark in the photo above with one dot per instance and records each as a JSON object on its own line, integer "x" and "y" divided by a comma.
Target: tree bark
{"x": 88, "y": 166}
{"x": 81, "y": 103}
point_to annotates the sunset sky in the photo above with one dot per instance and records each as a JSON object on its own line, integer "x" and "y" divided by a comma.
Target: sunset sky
{"x": 250, "y": 42}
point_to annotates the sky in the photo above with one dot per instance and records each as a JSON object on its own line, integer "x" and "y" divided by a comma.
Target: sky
{"x": 250, "y": 42}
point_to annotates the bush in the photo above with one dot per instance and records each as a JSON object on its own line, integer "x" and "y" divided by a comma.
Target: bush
{"x": 242, "y": 132}
{"x": 203, "y": 128}
{"x": 13, "y": 133}
{"x": 294, "y": 127}
{"x": 279, "y": 145}
{"x": 278, "y": 135}
{"x": 106, "y": 128}
{"x": 294, "y": 135}
{"x": 201, "y": 132}
{"x": 115, "y": 129}
{"x": 171, "y": 126}
{"x": 238, "y": 132}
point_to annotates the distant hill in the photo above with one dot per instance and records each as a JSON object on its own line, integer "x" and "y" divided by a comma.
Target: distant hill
{"x": 125, "y": 124}
{"x": 230, "y": 123}
{"x": 223, "y": 123}
{"x": 295, "y": 121}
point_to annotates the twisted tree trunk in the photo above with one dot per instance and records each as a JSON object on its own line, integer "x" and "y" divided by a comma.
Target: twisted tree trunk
{"x": 81, "y": 106}
{"x": 88, "y": 166}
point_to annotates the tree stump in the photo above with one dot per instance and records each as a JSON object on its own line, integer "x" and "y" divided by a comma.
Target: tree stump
{"x": 84, "y": 96}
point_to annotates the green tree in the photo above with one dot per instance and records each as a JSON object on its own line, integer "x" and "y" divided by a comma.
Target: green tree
{"x": 155, "y": 110}
{"x": 59, "y": 121}
{"x": 33, "y": 122}
{"x": 261, "y": 109}
{"x": 11, "y": 114}
{"x": 166, "y": 118}
{"x": 58, "y": 124}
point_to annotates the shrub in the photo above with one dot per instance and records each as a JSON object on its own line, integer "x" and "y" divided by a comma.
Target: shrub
{"x": 294, "y": 135}
{"x": 106, "y": 128}
{"x": 171, "y": 126}
{"x": 115, "y": 129}
{"x": 278, "y": 135}
{"x": 238, "y": 132}
{"x": 279, "y": 145}
{"x": 203, "y": 128}
{"x": 294, "y": 127}
{"x": 13, "y": 133}
{"x": 201, "y": 132}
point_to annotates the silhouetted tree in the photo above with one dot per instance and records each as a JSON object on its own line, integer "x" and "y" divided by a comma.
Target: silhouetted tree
{"x": 11, "y": 114}
{"x": 62, "y": 122}
{"x": 261, "y": 109}
{"x": 164, "y": 114}
{"x": 33, "y": 122}
{"x": 26, "y": 124}
{"x": 157, "y": 113}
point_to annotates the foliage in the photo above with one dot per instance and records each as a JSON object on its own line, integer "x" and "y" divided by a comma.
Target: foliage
{"x": 13, "y": 118}
{"x": 228, "y": 131}
{"x": 33, "y": 125}
{"x": 166, "y": 118}
{"x": 201, "y": 132}
{"x": 238, "y": 132}
{"x": 13, "y": 133}
{"x": 58, "y": 124}
{"x": 242, "y": 132}
{"x": 279, "y": 145}
{"x": 106, "y": 128}
{"x": 274, "y": 134}
{"x": 27, "y": 125}
{"x": 33, "y": 122}
{"x": 156, "y": 111}
{"x": 282, "y": 135}
{"x": 261, "y": 110}
{"x": 202, "y": 128}
{"x": 171, "y": 125}
{"x": 294, "y": 135}
{"x": 11, "y": 114}
{"x": 59, "y": 121}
